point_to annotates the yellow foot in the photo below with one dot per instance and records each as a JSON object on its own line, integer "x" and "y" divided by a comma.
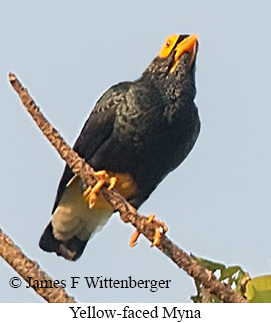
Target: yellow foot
{"x": 91, "y": 193}
{"x": 157, "y": 232}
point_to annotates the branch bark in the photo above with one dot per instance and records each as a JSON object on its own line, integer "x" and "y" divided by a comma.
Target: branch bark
{"x": 127, "y": 212}
{"x": 28, "y": 268}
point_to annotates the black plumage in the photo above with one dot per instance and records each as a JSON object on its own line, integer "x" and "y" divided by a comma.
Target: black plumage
{"x": 139, "y": 132}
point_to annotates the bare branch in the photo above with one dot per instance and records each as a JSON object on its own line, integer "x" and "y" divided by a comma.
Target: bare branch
{"x": 127, "y": 212}
{"x": 28, "y": 268}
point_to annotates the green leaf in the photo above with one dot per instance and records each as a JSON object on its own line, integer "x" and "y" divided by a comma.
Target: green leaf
{"x": 213, "y": 266}
{"x": 229, "y": 272}
{"x": 232, "y": 276}
{"x": 258, "y": 290}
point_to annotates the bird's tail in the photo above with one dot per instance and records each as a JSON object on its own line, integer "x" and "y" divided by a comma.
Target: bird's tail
{"x": 74, "y": 223}
{"x": 71, "y": 249}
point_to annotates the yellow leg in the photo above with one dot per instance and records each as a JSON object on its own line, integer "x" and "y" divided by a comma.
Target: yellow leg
{"x": 91, "y": 193}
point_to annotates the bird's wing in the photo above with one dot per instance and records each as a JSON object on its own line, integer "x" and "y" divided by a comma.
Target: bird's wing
{"x": 96, "y": 131}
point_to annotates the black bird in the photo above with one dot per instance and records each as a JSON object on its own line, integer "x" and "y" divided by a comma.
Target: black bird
{"x": 138, "y": 132}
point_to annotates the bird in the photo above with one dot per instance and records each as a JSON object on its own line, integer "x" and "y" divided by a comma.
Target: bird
{"x": 137, "y": 133}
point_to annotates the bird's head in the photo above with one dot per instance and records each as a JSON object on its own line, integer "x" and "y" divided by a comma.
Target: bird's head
{"x": 175, "y": 62}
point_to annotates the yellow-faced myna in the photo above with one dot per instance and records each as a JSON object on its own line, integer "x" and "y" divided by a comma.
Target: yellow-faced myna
{"x": 138, "y": 132}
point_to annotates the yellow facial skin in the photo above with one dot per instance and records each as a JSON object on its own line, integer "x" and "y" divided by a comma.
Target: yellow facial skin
{"x": 186, "y": 45}
{"x": 168, "y": 46}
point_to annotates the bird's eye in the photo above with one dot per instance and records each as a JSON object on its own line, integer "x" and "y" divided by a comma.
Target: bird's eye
{"x": 168, "y": 43}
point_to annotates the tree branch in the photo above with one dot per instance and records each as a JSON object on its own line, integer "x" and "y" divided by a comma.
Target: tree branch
{"x": 127, "y": 212}
{"x": 28, "y": 268}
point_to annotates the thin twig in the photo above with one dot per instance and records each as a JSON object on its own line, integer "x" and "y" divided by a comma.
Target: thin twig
{"x": 127, "y": 212}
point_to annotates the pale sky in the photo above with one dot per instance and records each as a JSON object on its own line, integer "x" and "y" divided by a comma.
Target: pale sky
{"x": 216, "y": 204}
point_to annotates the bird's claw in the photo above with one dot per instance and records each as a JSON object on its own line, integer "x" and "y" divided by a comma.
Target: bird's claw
{"x": 157, "y": 233}
{"x": 92, "y": 192}
{"x": 133, "y": 239}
